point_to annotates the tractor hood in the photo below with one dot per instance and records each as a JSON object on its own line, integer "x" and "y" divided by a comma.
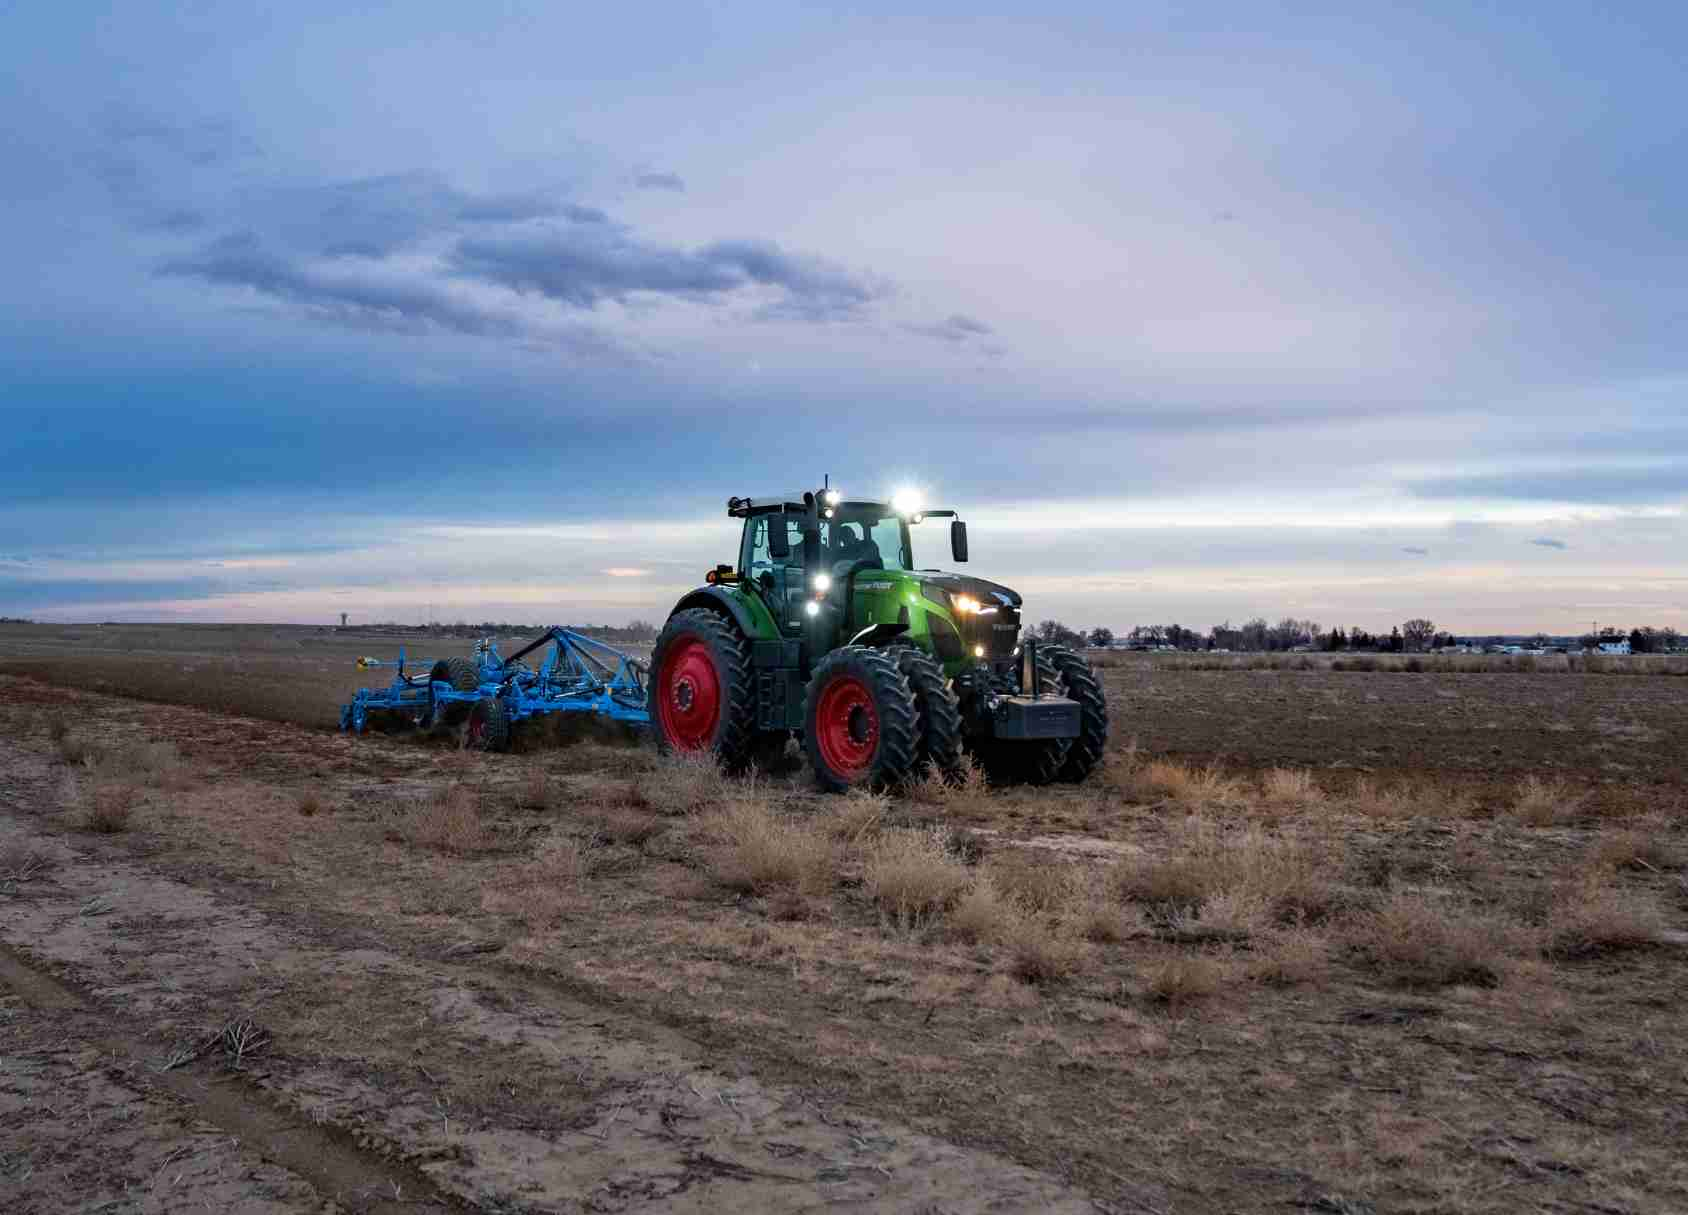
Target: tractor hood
{"x": 991, "y": 594}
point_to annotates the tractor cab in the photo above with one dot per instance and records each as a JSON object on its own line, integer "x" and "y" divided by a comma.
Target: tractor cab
{"x": 793, "y": 557}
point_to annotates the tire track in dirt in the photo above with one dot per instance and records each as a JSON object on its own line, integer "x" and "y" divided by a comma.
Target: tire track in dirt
{"x": 318, "y": 1155}
{"x": 616, "y": 1121}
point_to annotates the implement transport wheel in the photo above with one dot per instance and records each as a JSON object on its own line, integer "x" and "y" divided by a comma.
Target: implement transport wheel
{"x": 464, "y": 676}
{"x": 1026, "y": 762}
{"x": 1082, "y": 685}
{"x": 859, "y": 720}
{"x": 937, "y": 717}
{"x": 489, "y": 726}
{"x": 701, "y": 691}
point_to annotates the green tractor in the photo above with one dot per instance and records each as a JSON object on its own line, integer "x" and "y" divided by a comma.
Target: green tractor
{"x": 826, "y": 630}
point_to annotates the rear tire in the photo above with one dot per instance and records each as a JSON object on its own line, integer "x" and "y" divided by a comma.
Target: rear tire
{"x": 937, "y": 716}
{"x": 701, "y": 692}
{"x": 1082, "y": 685}
{"x": 859, "y": 720}
{"x": 489, "y": 726}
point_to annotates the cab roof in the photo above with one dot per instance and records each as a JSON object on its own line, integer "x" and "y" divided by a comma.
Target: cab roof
{"x": 765, "y": 503}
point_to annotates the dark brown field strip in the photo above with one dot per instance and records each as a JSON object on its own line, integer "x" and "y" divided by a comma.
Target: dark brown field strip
{"x": 335, "y": 1167}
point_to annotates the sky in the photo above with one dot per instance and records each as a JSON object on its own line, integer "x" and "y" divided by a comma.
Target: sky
{"x": 1196, "y": 312}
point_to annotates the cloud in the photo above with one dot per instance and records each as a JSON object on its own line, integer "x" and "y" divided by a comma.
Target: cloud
{"x": 659, "y": 181}
{"x": 356, "y": 292}
{"x": 1549, "y": 542}
{"x": 411, "y": 253}
{"x": 1415, "y": 550}
{"x": 583, "y": 266}
{"x": 1598, "y": 485}
{"x": 957, "y": 328}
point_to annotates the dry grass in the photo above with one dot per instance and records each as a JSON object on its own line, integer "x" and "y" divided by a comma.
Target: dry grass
{"x": 1408, "y": 800}
{"x": 1039, "y": 952}
{"x": 965, "y": 788}
{"x": 449, "y": 821}
{"x": 912, "y": 877}
{"x": 155, "y": 764}
{"x": 309, "y": 805}
{"x": 108, "y": 806}
{"x": 758, "y": 849}
{"x": 1417, "y": 940}
{"x": 1290, "y": 957}
{"x": 1545, "y": 803}
{"x": 1177, "y": 782}
{"x": 980, "y": 913}
{"x": 1291, "y": 789}
{"x": 1035, "y": 883}
{"x": 682, "y": 783}
{"x": 1180, "y": 980}
{"x": 858, "y": 816}
{"x": 1229, "y": 881}
{"x": 1594, "y": 917}
{"x": 1098, "y": 917}
{"x": 629, "y": 827}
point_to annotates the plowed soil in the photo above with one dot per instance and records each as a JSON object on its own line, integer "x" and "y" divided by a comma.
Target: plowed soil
{"x": 271, "y": 991}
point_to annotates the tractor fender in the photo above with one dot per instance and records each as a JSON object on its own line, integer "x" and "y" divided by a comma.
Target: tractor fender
{"x": 882, "y": 633}
{"x": 747, "y": 611}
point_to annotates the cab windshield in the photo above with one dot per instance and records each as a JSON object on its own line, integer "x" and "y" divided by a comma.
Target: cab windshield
{"x": 857, "y": 530}
{"x": 860, "y": 530}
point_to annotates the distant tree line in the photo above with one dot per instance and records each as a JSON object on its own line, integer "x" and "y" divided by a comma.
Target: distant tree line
{"x": 1414, "y": 636}
{"x": 631, "y": 633}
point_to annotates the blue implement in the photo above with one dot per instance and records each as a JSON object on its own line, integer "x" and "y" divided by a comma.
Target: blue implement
{"x": 580, "y": 675}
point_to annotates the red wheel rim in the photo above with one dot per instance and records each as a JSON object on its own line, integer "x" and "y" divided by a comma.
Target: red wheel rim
{"x": 847, "y": 727}
{"x": 477, "y": 727}
{"x": 689, "y": 695}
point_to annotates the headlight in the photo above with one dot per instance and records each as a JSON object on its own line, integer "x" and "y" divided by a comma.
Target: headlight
{"x": 822, "y": 582}
{"x": 812, "y": 608}
{"x": 966, "y": 604}
{"x": 832, "y": 497}
{"x": 906, "y": 501}
{"x": 978, "y": 651}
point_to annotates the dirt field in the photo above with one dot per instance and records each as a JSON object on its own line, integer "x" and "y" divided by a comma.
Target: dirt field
{"x": 1329, "y": 941}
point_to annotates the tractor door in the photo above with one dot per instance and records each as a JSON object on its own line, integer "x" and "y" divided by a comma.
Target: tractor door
{"x": 779, "y": 580}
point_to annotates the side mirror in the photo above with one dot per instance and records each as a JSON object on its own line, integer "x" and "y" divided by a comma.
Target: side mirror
{"x": 779, "y": 540}
{"x": 958, "y": 540}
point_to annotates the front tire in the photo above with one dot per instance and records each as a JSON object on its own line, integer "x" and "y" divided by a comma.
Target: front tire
{"x": 1082, "y": 685}
{"x": 702, "y": 692}
{"x": 859, "y": 720}
{"x": 937, "y": 717}
{"x": 1025, "y": 762}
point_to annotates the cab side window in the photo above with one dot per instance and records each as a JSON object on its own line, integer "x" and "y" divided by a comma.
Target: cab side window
{"x": 756, "y": 557}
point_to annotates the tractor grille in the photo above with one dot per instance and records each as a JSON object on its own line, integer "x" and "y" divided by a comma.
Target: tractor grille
{"x": 1001, "y": 630}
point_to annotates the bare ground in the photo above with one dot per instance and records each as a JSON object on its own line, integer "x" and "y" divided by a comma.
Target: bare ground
{"x": 555, "y": 982}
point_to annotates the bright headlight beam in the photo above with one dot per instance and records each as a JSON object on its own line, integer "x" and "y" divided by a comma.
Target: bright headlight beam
{"x": 823, "y": 582}
{"x": 812, "y": 608}
{"x": 833, "y": 497}
{"x": 906, "y": 501}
